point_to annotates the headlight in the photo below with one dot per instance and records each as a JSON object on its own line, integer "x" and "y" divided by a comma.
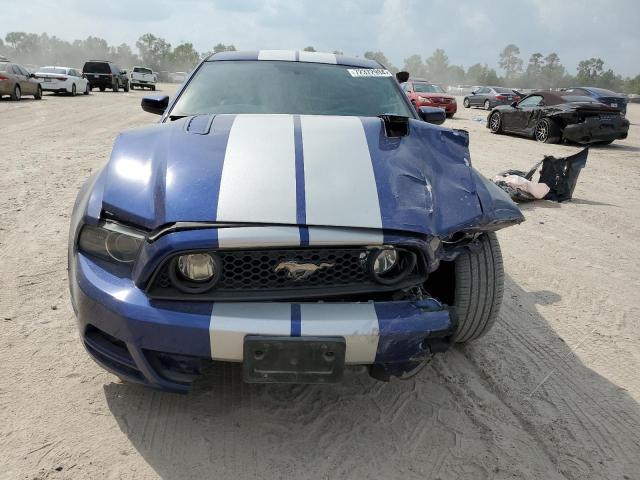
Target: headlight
{"x": 111, "y": 242}
{"x": 389, "y": 266}
{"x": 197, "y": 267}
{"x": 384, "y": 260}
{"x": 424, "y": 99}
{"x": 195, "y": 272}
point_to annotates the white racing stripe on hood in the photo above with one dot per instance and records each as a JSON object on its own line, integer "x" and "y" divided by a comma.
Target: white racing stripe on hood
{"x": 340, "y": 187}
{"x": 286, "y": 55}
{"x": 259, "y": 174}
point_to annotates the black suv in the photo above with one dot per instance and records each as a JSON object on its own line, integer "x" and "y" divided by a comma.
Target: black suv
{"x": 103, "y": 74}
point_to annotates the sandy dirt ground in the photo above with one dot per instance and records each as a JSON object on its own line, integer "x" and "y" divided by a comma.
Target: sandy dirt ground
{"x": 551, "y": 393}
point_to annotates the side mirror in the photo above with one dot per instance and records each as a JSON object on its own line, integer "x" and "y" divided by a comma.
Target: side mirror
{"x": 32, "y": 75}
{"x": 155, "y": 104}
{"x": 433, "y": 115}
{"x": 402, "y": 76}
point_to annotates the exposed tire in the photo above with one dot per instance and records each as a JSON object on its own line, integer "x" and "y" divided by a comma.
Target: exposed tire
{"x": 547, "y": 131}
{"x": 466, "y": 103}
{"x": 102, "y": 89}
{"x": 87, "y": 89}
{"x": 495, "y": 122}
{"x": 17, "y": 93}
{"x": 38, "y": 95}
{"x": 153, "y": 88}
{"x": 450, "y": 115}
{"x": 126, "y": 87}
{"x": 479, "y": 286}
{"x": 116, "y": 86}
{"x": 487, "y": 105}
{"x": 74, "y": 92}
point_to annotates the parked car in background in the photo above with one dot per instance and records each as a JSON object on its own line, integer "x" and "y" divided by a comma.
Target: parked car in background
{"x": 178, "y": 77}
{"x": 103, "y": 74}
{"x": 602, "y": 95}
{"x": 551, "y": 117}
{"x": 142, "y": 77}
{"x": 62, "y": 80}
{"x": 489, "y": 97}
{"x": 460, "y": 89}
{"x": 16, "y": 81}
{"x": 424, "y": 94}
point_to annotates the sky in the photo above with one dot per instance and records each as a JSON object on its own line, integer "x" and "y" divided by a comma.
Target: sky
{"x": 470, "y": 31}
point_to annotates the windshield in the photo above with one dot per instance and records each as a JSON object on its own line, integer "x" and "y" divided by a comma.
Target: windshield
{"x": 59, "y": 71}
{"x": 503, "y": 90}
{"x": 97, "y": 67}
{"x": 141, "y": 70}
{"x": 291, "y": 88}
{"x": 3, "y": 66}
{"x": 427, "y": 88}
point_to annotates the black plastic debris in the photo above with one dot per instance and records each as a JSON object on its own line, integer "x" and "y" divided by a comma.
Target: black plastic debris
{"x": 559, "y": 174}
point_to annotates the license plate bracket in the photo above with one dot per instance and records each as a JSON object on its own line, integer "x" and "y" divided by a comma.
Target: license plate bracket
{"x": 273, "y": 359}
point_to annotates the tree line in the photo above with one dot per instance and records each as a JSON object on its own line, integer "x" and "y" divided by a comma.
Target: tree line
{"x": 540, "y": 71}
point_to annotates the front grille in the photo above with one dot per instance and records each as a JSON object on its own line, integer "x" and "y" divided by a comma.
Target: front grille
{"x": 263, "y": 274}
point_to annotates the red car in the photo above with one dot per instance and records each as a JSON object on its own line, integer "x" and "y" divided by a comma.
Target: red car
{"x": 425, "y": 94}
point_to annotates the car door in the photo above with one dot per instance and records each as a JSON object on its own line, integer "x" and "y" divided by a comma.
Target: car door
{"x": 81, "y": 83}
{"x": 28, "y": 85}
{"x": 524, "y": 113}
{"x": 480, "y": 95}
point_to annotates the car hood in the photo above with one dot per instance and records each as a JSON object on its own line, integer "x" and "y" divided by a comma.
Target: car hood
{"x": 434, "y": 95}
{"x": 299, "y": 170}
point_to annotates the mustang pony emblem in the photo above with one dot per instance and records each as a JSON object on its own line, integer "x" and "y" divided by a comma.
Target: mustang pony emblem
{"x": 299, "y": 271}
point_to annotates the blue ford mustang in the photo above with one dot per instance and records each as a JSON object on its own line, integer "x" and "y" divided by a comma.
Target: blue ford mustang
{"x": 293, "y": 212}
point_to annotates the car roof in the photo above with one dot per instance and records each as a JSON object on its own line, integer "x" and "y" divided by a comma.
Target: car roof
{"x": 555, "y": 98}
{"x": 294, "y": 56}
{"x": 601, "y": 91}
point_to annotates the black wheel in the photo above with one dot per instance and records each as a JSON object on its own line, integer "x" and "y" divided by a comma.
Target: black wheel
{"x": 479, "y": 285}
{"x": 73, "y": 90}
{"x": 133, "y": 87}
{"x": 487, "y": 105}
{"x": 450, "y": 115}
{"x": 495, "y": 123}
{"x": 116, "y": 86}
{"x": 102, "y": 89}
{"x": 17, "y": 93}
{"x": 547, "y": 131}
{"x": 153, "y": 88}
{"x": 87, "y": 89}
{"x": 126, "y": 87}
{"x": 38, "y": 95}
{"x": 466, "y": 102}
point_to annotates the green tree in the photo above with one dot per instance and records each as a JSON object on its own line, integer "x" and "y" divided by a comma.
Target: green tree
{"x": 510, "y": 62}
{"x": 589, "y": 71}
{"x": 456, "y": 74}
{"x": 552, "y": 72}
{"x": 154, "y": 51}
{"x": 184, "y": 57}
{"x": 482, "y": 75}
{"x": 633, "y": 85}
{"x": 221, "y": 47}
{"x": 382, "y": 60}
{"x": 414, "y": 66}
{"x": 437, "y": 66}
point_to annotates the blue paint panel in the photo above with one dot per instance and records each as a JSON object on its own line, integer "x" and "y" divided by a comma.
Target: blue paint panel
{"x": 115, "y": 305}
{"x": 403, "y": 328}
{"x": 301, "y": 206}
{"x": 296, "y": 320}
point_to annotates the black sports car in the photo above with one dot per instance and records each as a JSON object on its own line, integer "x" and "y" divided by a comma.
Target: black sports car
{"x": 551, "y": 117}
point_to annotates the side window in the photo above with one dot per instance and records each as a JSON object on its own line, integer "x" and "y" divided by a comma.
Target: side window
{"x": 23, "y": 71}
{"x": 74, "y": 73}
{"x": 406, "y": 86}
{"x": 531, "y": 101}
{"x": 483, "y": 90}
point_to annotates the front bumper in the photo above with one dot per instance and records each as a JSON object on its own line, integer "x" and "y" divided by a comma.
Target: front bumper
{"x": 449, "y": 108}
{"x": 595, "y": 130}
{"x": 157, "y": 343}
